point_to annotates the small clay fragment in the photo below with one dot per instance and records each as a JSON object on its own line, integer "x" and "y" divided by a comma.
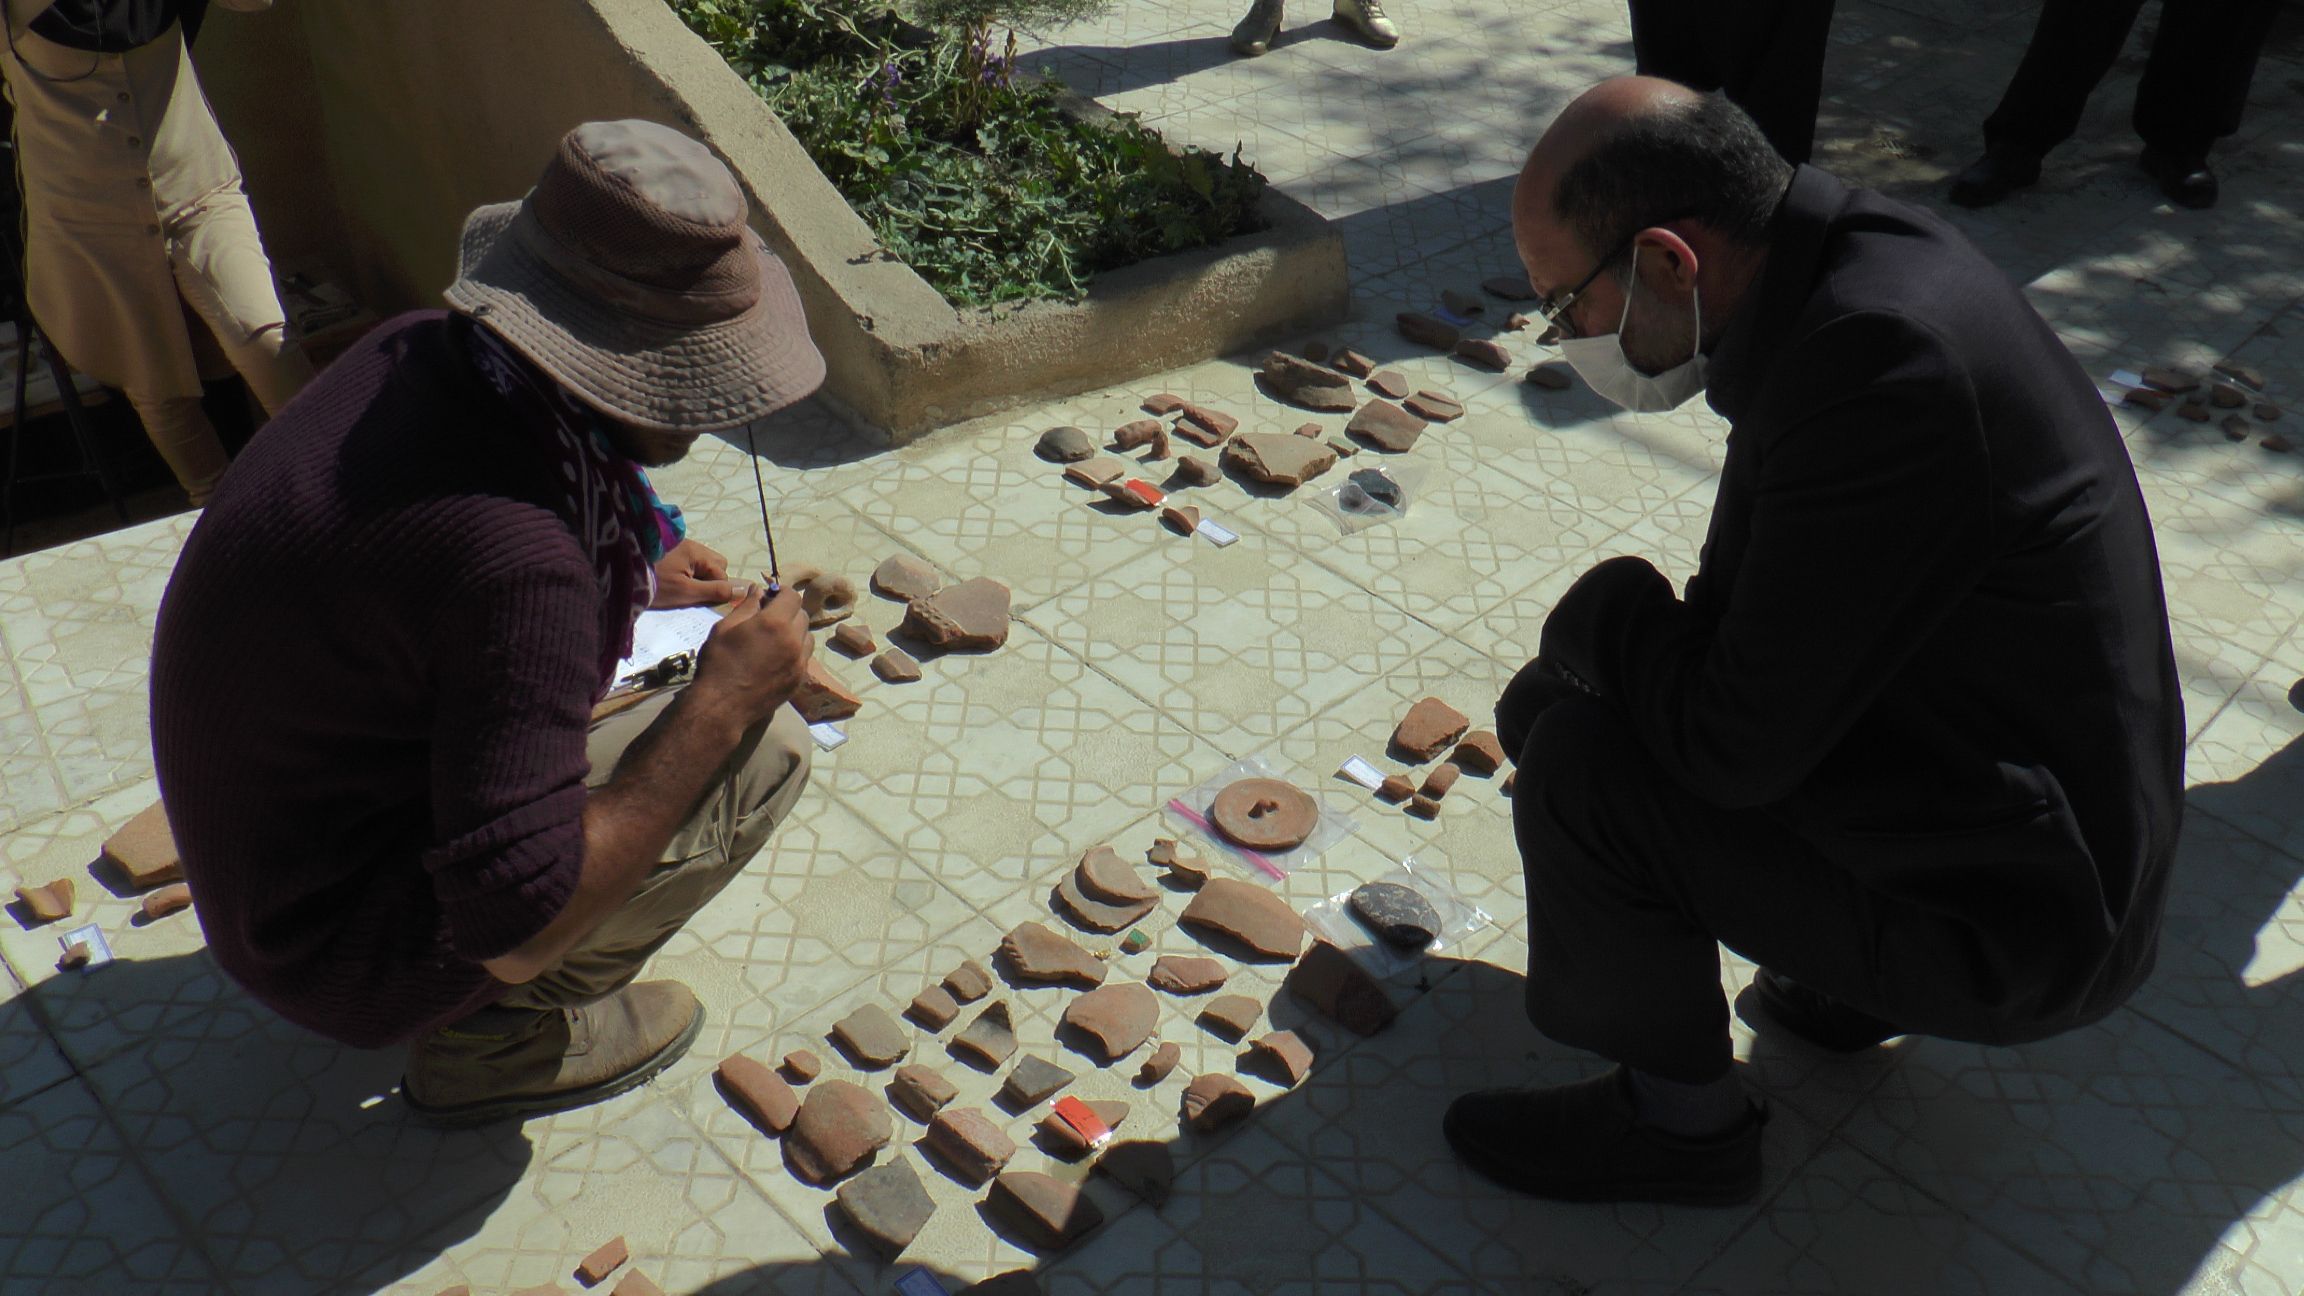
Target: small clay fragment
{"x": 1424, "y": 807}
{"x": 76, "y": 956}
{"x": 1249, "y": 914}
{"x": 1281, "y": 1057}
{"x": 45, "y": 904}
{"x": 820, "y": 696}
{"x": 1183, "y": 519}
{"x": 1461, "y": 303}
{"x": 1396, "y": 789}
{"x": 1198, "y": 436}
{"x": 1163, "y": 403}
{"x": 1551, "y": 377}
{"x": 1481, "y": 752}
{"x": 1303, "y": 383}
{"x": 1187, "y": 871}
{"x": 1487, "y": 353}
{"x": 2145, "y": 398}
{"x": 145, "y": 850}
{"x": 896, "y": 666}
{"x": 802, "y": 1066}
{"x": 1353, "y": 363}
{"x": 1328, "y": 981}
{"x": 2240, "y": 373}
{"x": 1194, "y": 471}
{"x": 1389, "y": 382}
{"x": 1231, "y": 1016}
{"x": 1034, "y": 1080}
{"x": 2226, "y": 396}
{"x": 2277, "y": 444}
{"x": 1316, "y": 351}
{"x": 1156, "y": 1067}
{"x": 888, "y": 1206}
{"x": 633, "y": 1283}
{"x": 970, "y": 615}
{"x": 1386, "y": 426}
{"x": 1515, "y": 322}
{"x": 1135, "y": 942}
{"x": 870, "y": 1037}
{"x": 970, "y": 1142}
{"x": 1116, "y": 1018}
{"x": 1091, "y": 914}
{"x": 1048, "y": 1213}
{"x": 1308, "y": 429}
{"x": 1424, "y": 330}
{"x": 2171, "y": 379}
{"x": 1103, "y": 875}
{"x": 2267, "y": 411}
{"x": 1435, "y": 406}
{"x": 1550, "y": 337}
{"x": 933, "y": 1008}
{"x": 1264, "y": 814}
{"x": 1141, "y": 1166}
{"x": 838, "y": 1128}
{"x": 173, "y": 898}
{"x": 1343, "y": 449}
{"x": 968, "y": 982}
{"x": 1097, "y": 473}
{"x": 921, "y": 1091}
{"x": 853, "y": 638}
{"x": 824, "y": 597}
{"x": 1398, "y": 915}
{"x": 2193, "y": 411}
{"x": 1157, "y": 448}
{"x": 1185, "y": 974}
{"x": 1213, "y": 1101}
{"x": 990, "y": 1039}
{"x": 758, "y": 1092}
{"x": 1061, "y": 445}
{"x": 1134, "y": 493}
{"x": 1428, "y": 729}
{"x": 1139, "y": 433}
{"x": 1442, "y": 778}
{"x": 1061, "y": 1140}
{"x": 1215, "y": 423}
{"x": 1512, "y": 288}
{"x": 610, "y": 1257}
{"x": 2236, "y": 428}
{"x": 1278, "y": 459}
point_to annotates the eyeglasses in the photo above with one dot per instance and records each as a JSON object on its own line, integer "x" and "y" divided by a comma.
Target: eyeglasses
{"x": 1554, "y": 313}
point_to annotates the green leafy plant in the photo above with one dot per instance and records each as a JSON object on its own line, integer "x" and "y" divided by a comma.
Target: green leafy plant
{"x": 969, "y": 170}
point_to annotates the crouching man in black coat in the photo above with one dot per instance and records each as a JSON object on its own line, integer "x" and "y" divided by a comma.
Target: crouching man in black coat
{"x": 1912, "y": 740}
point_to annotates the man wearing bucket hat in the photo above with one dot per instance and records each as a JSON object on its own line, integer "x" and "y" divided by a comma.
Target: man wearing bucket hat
{"x": 377, "y": 662}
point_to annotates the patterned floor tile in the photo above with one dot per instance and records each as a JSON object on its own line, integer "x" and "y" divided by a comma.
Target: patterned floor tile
{"x": 2247, "y": 766}
{"x": 80, "y": 1219}
{"x": 2120, "y": 1157}
{"x": 2228, "y": 569}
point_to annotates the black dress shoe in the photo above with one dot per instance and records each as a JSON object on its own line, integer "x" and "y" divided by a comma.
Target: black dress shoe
{"x": 1817, "y": 1017}
{"x": 2185, "y": 178}
{"x": 1992, "y": 177}
{"x": 1584, "y": 1142}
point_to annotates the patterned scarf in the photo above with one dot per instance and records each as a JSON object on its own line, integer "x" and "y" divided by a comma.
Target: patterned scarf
{"x": 606, "y": 498}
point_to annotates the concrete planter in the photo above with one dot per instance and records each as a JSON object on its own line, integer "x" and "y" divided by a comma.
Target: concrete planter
{"x": 428, "y": 108}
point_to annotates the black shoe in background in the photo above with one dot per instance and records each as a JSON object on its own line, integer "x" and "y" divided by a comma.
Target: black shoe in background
{"x": 2184, "y": 177}
{"x": 1584, "y": 1142}
{"x": 1992, "y": 177}
{"x": 1817, "y": 1017}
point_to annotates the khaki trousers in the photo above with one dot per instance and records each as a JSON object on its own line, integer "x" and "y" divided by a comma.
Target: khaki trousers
{"x": 755, "y": 789}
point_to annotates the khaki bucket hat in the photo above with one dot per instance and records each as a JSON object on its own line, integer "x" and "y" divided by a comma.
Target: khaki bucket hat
{"x": 629, "y": 275}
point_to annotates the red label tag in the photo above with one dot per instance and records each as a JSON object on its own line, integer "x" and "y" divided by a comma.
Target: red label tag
{"x": 1084, "y": 1121}
{"x": 1143, "y": 490}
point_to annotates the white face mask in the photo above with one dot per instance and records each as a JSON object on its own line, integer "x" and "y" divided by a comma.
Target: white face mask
{"x": 1601, "y": 362}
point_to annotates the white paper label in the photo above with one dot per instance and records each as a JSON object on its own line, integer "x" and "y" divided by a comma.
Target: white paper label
{"x": 1362, "y": 773}
{"x": 99, "y": 949}
{"x": 827, "y": 735}
{"x": 1216, "y": 535}
{"x": 2127, "y": 377}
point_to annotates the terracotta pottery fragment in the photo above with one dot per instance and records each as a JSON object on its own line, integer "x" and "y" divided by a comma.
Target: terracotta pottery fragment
{"x": 888, "y": 1206}
{"x": 2226, "y": 396}
{"x": 1316, "y": 351}
{"x": 904, "y": 578}
{"x": 1163, "y": 403}
{"x": 1461, "y": 303}
{"x": 990, "y": 1039}
{"x": 1481, "y": 752}
{"x": 896, "y": 666}
{"x": 972, "y": 615}
{"x": 758, "y": 1092}
{"x": 1389, "y": 382}
{"x": 1352, "y": 363}
{"x": 1065, "y": 1142}
{"x": 1281, "y": 1057}
{"x": 1183, "y": 519}
{"x": 2277, "y": 443}
{"x": 1194, "y": 471}
{"x": 2193, "y": 412}
{"x": 1185, "y": 974}
{"x": 610, "y": 1257}
{"x": 2145, "y": 398}
{"x": 173, "y": 898}
{"x": 1442, "y": 778}
{"x": 1264, "y": 814}
{"x": 1328, "y": 981}
{"x": 1428, "y": 729}
{"x": 1097, "y": 473}
{"x": 1157, "y": 1066}
{"x": 1214, "y": 1101}
{"x": 1435, "y": 406}
{"x": 1386, "y": 426}
{"x": 1343, "y": 449}
{"x": 2169, "y": 378}
{"x": 971, "y": 1143}
{"x": 968, "y": 982}
{"x": 853, "y": 638}
{"x": 838, "y": 1129}
{"x": 1424, "y": 807}
{"x": 1424, "y": 330}
{"x": 49, "y": 903}
{"x": 1047, "y": 1213}
{"x": 145, "y": 850}
{"x": 821, "y": 696}
{"x": 1249, "y": 914}
{"x": 2240, "y": 373}
{"x": 76, "y": 956}
{"x": 1487, "y": 353}
{"x": 1551, "y": 377}
{"x": 2267, "y": 411}
{"x": 1278, "y": 459}
{"x": 933, "y": 1008}
{"x": 1141, "y": 1166}
{"x": 1303, "y": 383}
{"x": 1138, "y": 433}
{"x": 1034, "y": 1080}
{"x": 802, "y": 1066}
{"x": 1091, "y": 914}
{"x": 920, "y": 1092}
{"x": 1396, "y": 789}
{"x": 1105, "y": 876}
{"x": 1308, "y": 429}
{"x": 1216, "y": 423}
{"x": 1059, "y": 445}
{"x": 1196, "y": 434}
{"x": 1231, "y": 1016}
{"x": 870, "y": 1037}
{"x": 1115, "y": 1019}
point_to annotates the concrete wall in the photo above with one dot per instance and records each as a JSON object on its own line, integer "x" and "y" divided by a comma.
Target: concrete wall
{"x": 420, "y": 110}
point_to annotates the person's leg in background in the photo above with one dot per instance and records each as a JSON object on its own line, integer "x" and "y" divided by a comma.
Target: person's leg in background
{"x": 584, "y": 1031}
{"x": 2073, "y": 46}
{"x": 1777, "y": 72}
{"x": 1673, "y": 39}
{"x": 187, "y": 441}
{"x": 2194, "y": 89}
{"x": 223, "y": 274}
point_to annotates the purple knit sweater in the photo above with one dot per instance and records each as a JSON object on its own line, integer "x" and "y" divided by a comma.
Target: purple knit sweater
{"x": 371, "y": 687}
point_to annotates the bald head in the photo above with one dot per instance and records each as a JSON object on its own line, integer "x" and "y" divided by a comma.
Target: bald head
{"x": 1594, "y": 116}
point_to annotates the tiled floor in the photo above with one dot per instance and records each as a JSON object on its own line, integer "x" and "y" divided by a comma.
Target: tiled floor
{"x": 161, "y": 1133}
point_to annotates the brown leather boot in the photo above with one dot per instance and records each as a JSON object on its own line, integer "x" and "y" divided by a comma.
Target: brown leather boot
{"x": 502, "y": 1063}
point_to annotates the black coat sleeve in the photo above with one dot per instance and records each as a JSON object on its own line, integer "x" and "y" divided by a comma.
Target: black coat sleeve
{"x": 1869, "y": 523}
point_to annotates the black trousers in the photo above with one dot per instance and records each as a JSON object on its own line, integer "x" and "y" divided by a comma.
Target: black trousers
{"x": 1633, "y": 884}
{"x": 1767, "y": 55}
{"x": 2195, "y": 82}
